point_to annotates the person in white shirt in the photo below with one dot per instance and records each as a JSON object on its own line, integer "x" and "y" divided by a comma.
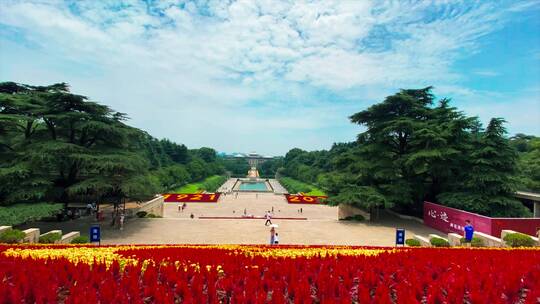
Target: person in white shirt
{"x": 276, "y": 239}
{"x": 268, "y": 218}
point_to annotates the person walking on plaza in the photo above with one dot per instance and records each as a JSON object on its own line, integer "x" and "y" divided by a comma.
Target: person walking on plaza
{"x": 272, "y": 235}
{"x": 122, "y": 218}
{"x": 276, "y": 239}
{"x": 468, "y": 233}
{"x": 268, "y": 218}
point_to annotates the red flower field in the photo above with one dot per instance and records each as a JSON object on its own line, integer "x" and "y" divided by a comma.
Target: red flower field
{"x": 265, "y": 274}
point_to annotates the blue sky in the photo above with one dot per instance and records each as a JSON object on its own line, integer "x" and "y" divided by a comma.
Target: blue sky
{"x": 267, "y": 76}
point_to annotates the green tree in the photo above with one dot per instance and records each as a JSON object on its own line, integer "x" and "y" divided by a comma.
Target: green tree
{"x": 59, "y": 145}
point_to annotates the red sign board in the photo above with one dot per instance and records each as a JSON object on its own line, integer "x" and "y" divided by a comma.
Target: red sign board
{"x": 191, "y": 198}
{"x": 305, "y": 199}
{"x": 448, "y": 220}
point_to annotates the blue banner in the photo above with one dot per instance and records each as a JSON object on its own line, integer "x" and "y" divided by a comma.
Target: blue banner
{"x": 400, "y": 236}
{"x": 95, "y": 234}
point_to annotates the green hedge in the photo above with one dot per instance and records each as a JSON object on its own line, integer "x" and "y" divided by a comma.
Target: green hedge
{"x": 23, "y": 213}
{"x": 519, "y": 240}
{"x": 50, "y": 238}
{"x": 438, "y": 242}
{"x": 295, "y": 186}
{"x": 12, "y": 236}
{"x": 80, "y": 240}
{"x": 412, "y": 242}
{"x": 210, "y": 184}
{"x": 475, "y": 242}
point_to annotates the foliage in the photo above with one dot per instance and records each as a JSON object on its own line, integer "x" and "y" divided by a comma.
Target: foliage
{"x": 141, "y": 214}
{"x": 210, "y": 184}
{"x": 412, "y": 243}
{"x": 295, "y": 186}
{"x": 417, "y": 149}
{"x": 439, "y": 242}
{"x": 23, "y": 213}
{"x": 62, "y": 147}
{"x": 518, "y": 240}
{"x": 50, "y": 238}
{"x": 80, "y": 240}
{"x": 12, "y": 236}
{"x": 151, "y": 215}
{"x": 235, "y": 166}
{"x": 475, "y": 242}
{"x": 528, "y": 148}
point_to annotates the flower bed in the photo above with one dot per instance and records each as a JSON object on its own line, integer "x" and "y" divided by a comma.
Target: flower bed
{"x": 265, "y": 274}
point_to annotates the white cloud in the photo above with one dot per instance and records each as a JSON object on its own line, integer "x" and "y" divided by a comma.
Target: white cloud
{"x": 201, "y": 65}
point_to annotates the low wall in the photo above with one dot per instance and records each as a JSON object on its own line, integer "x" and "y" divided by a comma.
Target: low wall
{"x": 448, "y": 220}
{"x": 154, "y": 206}
{"x": 345, "y": 211}
{"x": 32, "y": 235}
{"x": 489, "y": 240}
{"x": 67, "y": 238}
{"x": 454, "y": 239}
{"x": 423, "y": 241}
{"x": 4, "y": 229}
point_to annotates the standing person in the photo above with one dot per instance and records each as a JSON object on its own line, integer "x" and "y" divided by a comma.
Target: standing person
{"x": 180, "y": 208}
{"x": 468, "y": 231}
{"x": 301, "y": 210}
{"x": 89, "y": 209}
{"x": 272, "y": 235}
{"x": 122, "y": 218}
{"x": 184, "y": 205}
{"x": 276, "y": 239}
{"x": 268, "y": 218}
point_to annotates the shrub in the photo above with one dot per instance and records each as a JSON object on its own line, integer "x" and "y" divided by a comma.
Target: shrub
{"x": 50, "y": 238}
{"x": 356, "y": 217}
{"x": 518, "y": 240}
{"x": 412, "y": 242}
{"x": 294, "y": 186}
{"x": 475, "y": 242}
{"x": 151, "y": 215}
{"x": 438, "y": 242}
{"x": 141, "y": 214}
{"x": 12, "y": 236}
{"x": 80, "y": 240}
{"x": 23, "y": 213}
{"x": 212, "y": 183}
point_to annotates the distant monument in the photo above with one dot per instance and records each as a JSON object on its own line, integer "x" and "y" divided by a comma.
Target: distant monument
{"x": 253, "y": 173}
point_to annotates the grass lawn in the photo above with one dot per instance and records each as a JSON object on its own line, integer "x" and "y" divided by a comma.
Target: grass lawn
{"x": 199, "y": 186}
{"x": 296, "y": 186}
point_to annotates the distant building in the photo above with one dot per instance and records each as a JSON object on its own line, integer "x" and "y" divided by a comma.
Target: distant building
{"x": 253, "y": 158}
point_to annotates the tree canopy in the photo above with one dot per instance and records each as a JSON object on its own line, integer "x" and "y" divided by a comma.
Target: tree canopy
{"x": 414, "y": 149}
{"x": 62, "y": 147}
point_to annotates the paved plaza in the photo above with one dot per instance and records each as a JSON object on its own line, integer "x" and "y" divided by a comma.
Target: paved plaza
{"x": 320, "y": 226}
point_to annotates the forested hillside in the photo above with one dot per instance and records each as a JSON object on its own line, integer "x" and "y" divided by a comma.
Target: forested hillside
{"x": 415, "y": 149}
{"x": 57, "y": 146}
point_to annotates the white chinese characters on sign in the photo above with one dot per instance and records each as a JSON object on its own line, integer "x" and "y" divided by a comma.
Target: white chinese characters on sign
{"x": 432, "y": 213}
{"x": 444, "y": 216}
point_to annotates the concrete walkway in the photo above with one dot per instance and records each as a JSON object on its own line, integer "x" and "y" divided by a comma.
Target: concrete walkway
{"x": 320, "y": 228}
